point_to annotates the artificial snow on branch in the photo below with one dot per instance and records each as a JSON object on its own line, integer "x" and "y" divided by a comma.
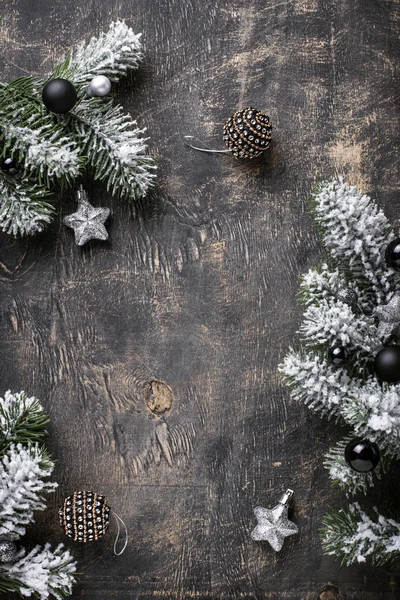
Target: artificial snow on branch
{"x": 41, "y": 573}
{"x": 51, "y": 149}
{"x": 340, "y": 298}
{"x": 115, "y": 147}
{"x": 22, "y": 473}
{"x": 353, "y": 535}
{"x": 25, "y": 467}
{"x": 112, "y": 53}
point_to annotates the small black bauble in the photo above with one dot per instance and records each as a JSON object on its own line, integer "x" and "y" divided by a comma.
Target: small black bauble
{"x": 337, "y": 356}
{"x": 392, "y": 254}
{"x": 59, "y": 95}
{"x": 362, "y": 455}
{"x": 9, "y": 165}
{"x": 387, "y": 364}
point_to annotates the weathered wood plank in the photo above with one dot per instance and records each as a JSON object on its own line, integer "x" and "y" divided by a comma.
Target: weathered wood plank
{"x": 196, "y": 288}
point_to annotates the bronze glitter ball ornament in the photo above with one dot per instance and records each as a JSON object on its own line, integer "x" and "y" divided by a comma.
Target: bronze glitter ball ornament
{"x": 85, "y": 516}
{"x": 248, "y": 133}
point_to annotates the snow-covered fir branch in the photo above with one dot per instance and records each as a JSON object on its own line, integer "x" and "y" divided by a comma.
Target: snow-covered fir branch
{"x": 354, "y": 231}
{"x": 340, "y": 298}
{"x": 319, "y": 284}
{"x": 333, "y": 322}
{"x": 115, "y": 147}
{"x": 42, "y": 572}
{"x": 45, "y": 152}
{"x": 112, "y": 54}
{"x": 24, "y": 209}
{"x": 372, "y": 410}
{"x": 312, "y": 380}
{"x": 22, "y": 420}
{"x": 23, "y": 470}
{"x": 53, "y": 149}
{"x": 351, "y": 534}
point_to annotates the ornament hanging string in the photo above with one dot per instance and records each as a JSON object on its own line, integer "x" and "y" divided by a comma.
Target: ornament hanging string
{"x": 210, "y": 150}
{"x": 118, "y": 520}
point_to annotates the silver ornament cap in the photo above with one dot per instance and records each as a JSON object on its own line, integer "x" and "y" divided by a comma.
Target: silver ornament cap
{"x": 8, "y": 551}
{"x": 99, "y": 86}
{"x": 273, "y": 525}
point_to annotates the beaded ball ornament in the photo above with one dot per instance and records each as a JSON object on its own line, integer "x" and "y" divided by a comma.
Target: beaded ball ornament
{"x": 85, "y": 516}
{"x": 247, "y": 133}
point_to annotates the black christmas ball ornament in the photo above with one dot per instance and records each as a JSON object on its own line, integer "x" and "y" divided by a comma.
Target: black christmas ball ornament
{"x": 59, "y": 95}
{"x": 338, "y": 355}
{"x": 362, "y": 455}
{"x": 392, "y": 254}
{"x": 85, "y": 516}
{"x": 247, "y": 133}
{"x": 387, "y": 364}
{"x": 9, "y": 165}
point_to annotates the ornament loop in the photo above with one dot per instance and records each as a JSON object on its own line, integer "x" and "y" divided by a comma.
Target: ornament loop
{"x": 118, "y": 520}
{"x": 210, "y": 150}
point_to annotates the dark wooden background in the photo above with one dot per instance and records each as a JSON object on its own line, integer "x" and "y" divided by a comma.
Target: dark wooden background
{"x": 196, "y": 288}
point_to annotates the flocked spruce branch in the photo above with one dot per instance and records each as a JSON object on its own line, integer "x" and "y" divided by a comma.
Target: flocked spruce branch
{"x": 55, "y": 149}
{"x": 115, "y": 147}
{"x": 353, "y": 535}
{"x": 41, "y": 573}
{"x": 22, "y": 420}
{"x": 25, "y": 467}
{"x": 112, "y": 54}
{"x": 354, "y": 233}
{"x": 23, "y": 471}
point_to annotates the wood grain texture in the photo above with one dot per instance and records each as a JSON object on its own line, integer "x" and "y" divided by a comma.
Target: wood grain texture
{"x": 196, "y": 289}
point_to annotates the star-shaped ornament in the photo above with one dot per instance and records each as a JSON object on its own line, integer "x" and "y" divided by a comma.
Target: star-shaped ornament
{"x": 389, "y": 318}
{"x": 273, "y": 525}
{"x": 88, "y": 221}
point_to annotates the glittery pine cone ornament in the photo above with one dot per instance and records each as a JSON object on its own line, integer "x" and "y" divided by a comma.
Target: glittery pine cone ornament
{"x": 85, "y": 516}
{"x": 247, "y": 133}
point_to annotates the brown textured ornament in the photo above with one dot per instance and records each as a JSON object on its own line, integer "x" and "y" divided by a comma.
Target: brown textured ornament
{"x": 247, "y": 133}
{"x": 85, "y": 516}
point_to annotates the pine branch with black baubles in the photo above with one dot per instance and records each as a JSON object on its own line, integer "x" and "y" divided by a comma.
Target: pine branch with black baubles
{"x": 52, "y": 130}
{"x": 25, "y": 467}
{"x": 347, "y": 365}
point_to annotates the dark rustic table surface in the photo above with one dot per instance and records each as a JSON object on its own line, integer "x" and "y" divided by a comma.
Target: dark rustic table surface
{"x": 196, "y": 290}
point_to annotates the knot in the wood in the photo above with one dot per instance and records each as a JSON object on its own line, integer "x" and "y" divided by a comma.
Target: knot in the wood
{"x": 158, "y": 396}
{"x": 331, "y": 592}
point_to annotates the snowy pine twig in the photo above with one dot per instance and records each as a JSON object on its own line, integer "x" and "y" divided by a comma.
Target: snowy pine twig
{"x": 22, "y": 473}
{"x": 112, "y": 54}
{"x": 25, "y": 467}
{"x": 354, "y": 233}
{"x": 55, "y": 149}
{"x": 41, "y": 573}
{"x": 353, "y": 535}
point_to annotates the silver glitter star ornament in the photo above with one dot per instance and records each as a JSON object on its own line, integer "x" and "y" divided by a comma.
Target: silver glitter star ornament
{"x": 273, "y": 525}
{"x": 389, "y": 318}
{"x": 350, "y": 297}
{"x": 88, "y": 221}
{"x": 8, "y": 551}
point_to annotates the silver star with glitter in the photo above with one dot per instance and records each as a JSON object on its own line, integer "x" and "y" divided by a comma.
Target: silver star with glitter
{"x": 350, "y": 297}
{"x": 389, "y": 318}
{"x": 8, "y": 551}
{"x": 88, "y": 221}
{"x": 273, "y": 525}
